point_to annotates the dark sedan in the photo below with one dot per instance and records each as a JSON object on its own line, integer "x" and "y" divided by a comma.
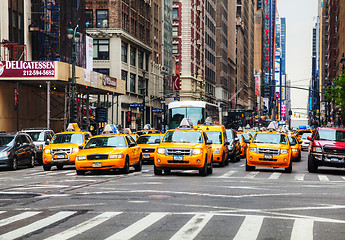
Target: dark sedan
{"x": 16, "y": 149}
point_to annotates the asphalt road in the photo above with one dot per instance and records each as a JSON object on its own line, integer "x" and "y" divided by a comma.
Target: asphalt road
{"x": 229, "y": 204}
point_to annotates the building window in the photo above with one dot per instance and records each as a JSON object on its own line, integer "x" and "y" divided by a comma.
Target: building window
{"x": 89, "y": 18}
{"x": 132, "y": 56}
{"x": 132, "y": 83}
{"x": 147, "y": 61}
{"x": 124, "y": 49}
{"x": 104, "y": 71}
{"x": 124, "y": 75}
{"x": 175, "y": 31}
{"x": 142, "y": 85}
{"x": 175, "y": 13}
{"x": 102, "y": 18}
{"x": 175, "y": 48}
{"x": 140, "y": 59}
{"x": 101, "y": 49}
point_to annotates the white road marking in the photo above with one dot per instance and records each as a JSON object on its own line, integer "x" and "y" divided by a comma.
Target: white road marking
{"x": 193, "y": 227}
{"x": 242, "y": 165}
{"x": 299, "y": 177}
{"x": 251, "y": 175}
{"x": 343, "y": 178}
{"x": 42, "y": 186}
{"x": 20, "y": 232}
{"x": 250, "y": 228}
{"x": 323, "y": 178}
{"x": 82, "y": 227}
{"x": 58, "y": 172}
{"x": 71, "y": 174}
{"x": 275, "y": 175}
{"x": 137, "y": 227}
{"x": 226, "y": 175}
{"x": 18, "y": 217}
{"x": 302, "y": 229}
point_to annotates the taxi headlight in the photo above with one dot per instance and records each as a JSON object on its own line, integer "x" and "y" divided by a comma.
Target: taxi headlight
{"x": 115, "y": 156}
{"x": 4, "y": 154}
{"x": 317, "y": 149}
{"x": 196, "y": 151}
{"x": 75, "y": 150}
{"x": 47, "y": 151}
{"x": 79, "y": 158}
{"x": 283, "y": 151}
{"x": 295, "y": 150}
{"x": 253, "y": 150}
{"x": 217, "y": 151}
{"x": 161, "y": 150}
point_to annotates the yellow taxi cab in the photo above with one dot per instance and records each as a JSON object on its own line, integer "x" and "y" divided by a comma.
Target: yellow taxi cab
{"x": 295, "y": 148}
{"x": 300, "y": 132}
{"x": 111, "y": 150}
{"x": 148, "y": 145}
{"x": 243, "y": 145}
{"x": 269, "y": 149}
{"x": 217, "y": 133}
{"x": 64, "y": 146}
{"x": 184, "y": 148}
{"x": 247, "y": 137}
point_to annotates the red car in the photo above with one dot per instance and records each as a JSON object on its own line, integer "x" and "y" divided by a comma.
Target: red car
{"x": 327, "y": 148}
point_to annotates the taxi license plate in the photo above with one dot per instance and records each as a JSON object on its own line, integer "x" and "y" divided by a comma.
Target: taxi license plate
{"x": 60, "y": 155}
{"x": 96, "y": 164}
{"x": 178, "y": 158}
{"x": 146, "y": 156}
{"x": 266, "y": 156}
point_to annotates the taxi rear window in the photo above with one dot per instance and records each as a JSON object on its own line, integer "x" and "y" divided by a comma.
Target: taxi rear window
{"x": 270, "y": 138}
{"x": 183, "y": 137}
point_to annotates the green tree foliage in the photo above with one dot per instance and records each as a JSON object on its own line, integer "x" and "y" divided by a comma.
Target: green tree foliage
{"x": 336, "y": 93}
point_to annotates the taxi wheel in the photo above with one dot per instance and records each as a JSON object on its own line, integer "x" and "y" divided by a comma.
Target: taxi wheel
{"x": 312, "y": 166}
{"x": 32, "y": 161}
{"x": 226, "y": 159}
{"x": 249, "y": 168}
{"x": 157, "y": 171}
{"x": 210, "y": 167}
{"x": 46, "y": 167}
{"x": 80, "y": 172}
{"x": 139, "y": 165}
{"x": 289, "y": 169}
{"x": 222, "y": 163}
{"x": 203, "y": 171}
{"x": 125, "y": 169}
{"x": 299, "y": 157}
{"x": 59, "y": 167}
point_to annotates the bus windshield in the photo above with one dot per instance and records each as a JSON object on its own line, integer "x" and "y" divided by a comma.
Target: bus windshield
{"x": 196, "y": 114}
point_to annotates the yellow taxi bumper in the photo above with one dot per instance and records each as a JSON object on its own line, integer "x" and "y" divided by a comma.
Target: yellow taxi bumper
{"x": 194, "y": 162}
{"x": 281, "y": 161}
{"x": 99, "y": 164}
{"x": 61, "y": 159}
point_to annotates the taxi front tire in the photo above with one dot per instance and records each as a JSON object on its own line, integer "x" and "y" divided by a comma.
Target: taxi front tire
{"x": 46, "y": 167}
{"x": 289, "y": 169}
{"x": 81, "y": 172}
{"x": 249, "y": 168}
{"x": 139, "y": 165}
{"x": 125, "y": 169}
{"x": 156, "y": 170}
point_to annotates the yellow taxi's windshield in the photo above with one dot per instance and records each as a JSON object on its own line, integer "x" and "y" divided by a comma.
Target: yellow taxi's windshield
{"x": 270, "y": 138}
{"x": 101, "y": 142}
{"x": 216, "y": 137}
{"x": 183, "y": 137}
{"x": 148, "y": 139}
{"x": 68, "y": 138}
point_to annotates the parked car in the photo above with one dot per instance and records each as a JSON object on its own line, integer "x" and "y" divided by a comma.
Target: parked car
{"x": 41, "y": 138}
{"x": 327, "y": 148}
{"x": 16, "y": 149}
{"x": 234, "y": 145}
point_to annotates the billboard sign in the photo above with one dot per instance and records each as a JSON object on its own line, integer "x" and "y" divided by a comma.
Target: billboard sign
{"x": 27, "y": 69}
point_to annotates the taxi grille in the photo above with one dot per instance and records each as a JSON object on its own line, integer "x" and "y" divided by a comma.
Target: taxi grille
{"x": 181, "y": 152}
{"x": 66, "y": 150}
{"x": 148, "y": 150}
{"x": 97, "y": 156}
{"x": 268, "y": 151}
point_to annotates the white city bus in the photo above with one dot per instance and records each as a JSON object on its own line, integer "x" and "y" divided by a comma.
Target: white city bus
{"x": 197, "y": 111}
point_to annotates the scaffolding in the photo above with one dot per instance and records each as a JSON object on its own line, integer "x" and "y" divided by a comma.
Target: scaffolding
{"x": 49, "y": 30}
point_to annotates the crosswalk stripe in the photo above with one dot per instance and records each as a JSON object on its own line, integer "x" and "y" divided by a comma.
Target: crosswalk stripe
{"x": 299, "y": 177}
{"x": 71, "y": 174}
{"x": 228, "y": 174}
{"x": 58, "y": 172}
{"x": 275, "y": 175}
{"x": 84, "y": 226}
{"x": 251, "y": 175}
{"x": 323, "y": 178}
{"x": 137, "y": 227}
{"x": 193, "y": 227}
{"x": 302, "y": 229}
{"x": 18, "y": 217}
{"x": 20, "y": 232}
{"x": 250, "y": 228}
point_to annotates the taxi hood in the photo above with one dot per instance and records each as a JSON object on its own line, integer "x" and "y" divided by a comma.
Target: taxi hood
{"x": 105, "y": 150}
{"x": 268, "y": 145}
{"x": 180, "y": 145}
{"x": 64, "y": 145}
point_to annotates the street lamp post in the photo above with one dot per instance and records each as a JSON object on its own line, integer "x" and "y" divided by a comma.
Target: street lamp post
{"x": 74, "y": 35}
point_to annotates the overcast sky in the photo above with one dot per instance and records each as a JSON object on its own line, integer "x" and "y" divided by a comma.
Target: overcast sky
{"x": 300, "y": 19}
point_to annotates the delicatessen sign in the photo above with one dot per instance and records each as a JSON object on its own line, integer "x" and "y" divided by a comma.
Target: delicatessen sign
{"x": 27, "y": 69}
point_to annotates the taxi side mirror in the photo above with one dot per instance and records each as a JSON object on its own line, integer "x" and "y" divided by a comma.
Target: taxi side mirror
{"x": 309, "y": 137}
{"x": 132, "y": 144}
{"x": 81, "y": 147}
{"x": 209, "y": 142}
{"x": 157, "y": 141}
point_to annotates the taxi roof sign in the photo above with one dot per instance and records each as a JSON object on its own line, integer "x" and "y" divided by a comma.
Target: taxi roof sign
{"x": 73, "y": 127}
{"x": 110, "y": 129}
{"x": 186, "y": 123}
{"x": 147, "y": 127}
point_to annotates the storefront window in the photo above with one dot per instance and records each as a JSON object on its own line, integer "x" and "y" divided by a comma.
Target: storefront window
{"x": 102, "y": 18}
